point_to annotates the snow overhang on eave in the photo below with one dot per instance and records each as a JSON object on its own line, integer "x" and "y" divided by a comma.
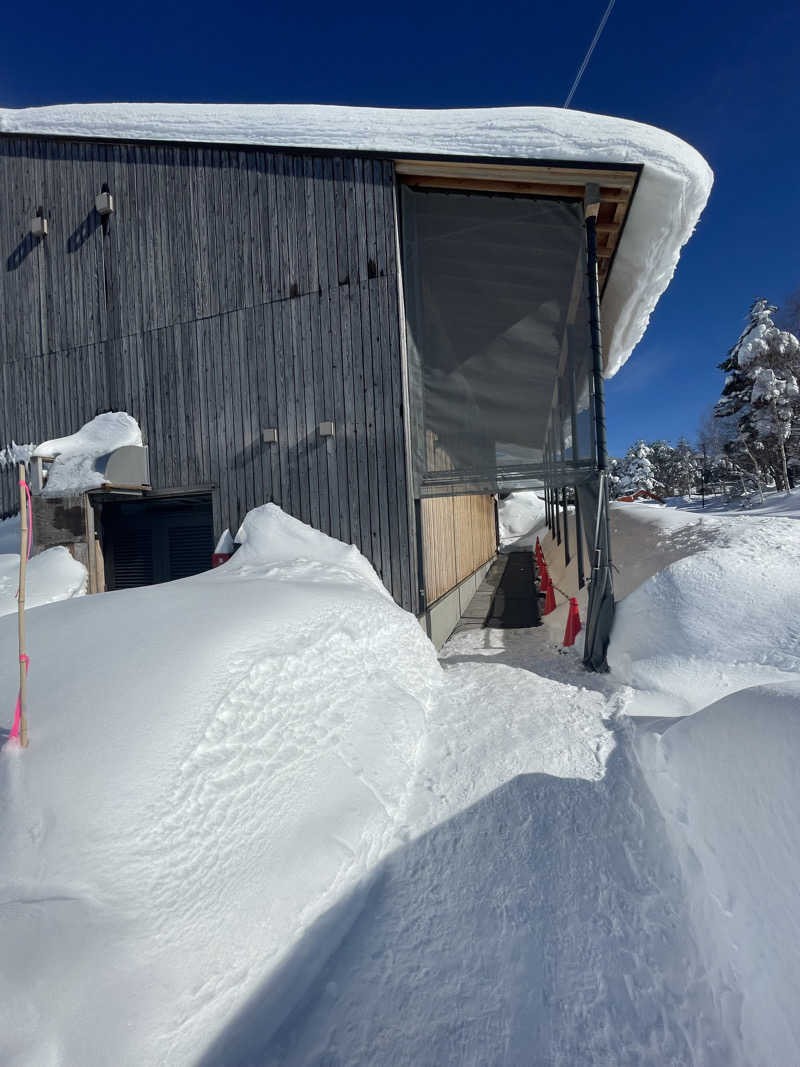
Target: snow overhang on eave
{"x": 672, "y": 189}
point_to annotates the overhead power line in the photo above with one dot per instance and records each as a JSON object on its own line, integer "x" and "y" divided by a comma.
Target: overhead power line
{"x": 588, "y": 55}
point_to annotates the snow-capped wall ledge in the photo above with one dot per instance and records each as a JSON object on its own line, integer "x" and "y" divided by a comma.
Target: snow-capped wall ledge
{"x": 77, "y": 459}
{"x": 672, "y": 191}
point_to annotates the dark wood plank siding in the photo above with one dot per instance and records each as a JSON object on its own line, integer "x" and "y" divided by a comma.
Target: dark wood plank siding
{"x": 232, "y": 290}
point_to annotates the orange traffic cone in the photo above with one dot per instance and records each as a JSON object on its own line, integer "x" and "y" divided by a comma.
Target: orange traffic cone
{"x": 573, "y": 623}
{"x": 544, "y": 577}
{"x": 549, "y": 598}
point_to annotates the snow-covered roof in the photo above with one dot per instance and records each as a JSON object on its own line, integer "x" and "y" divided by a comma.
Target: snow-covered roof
{"x": 673, "y": 188}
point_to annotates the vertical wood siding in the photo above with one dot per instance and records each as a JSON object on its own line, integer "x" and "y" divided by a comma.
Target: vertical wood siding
{"x": 458, "y": 535}
{"x": 231, "y": 290}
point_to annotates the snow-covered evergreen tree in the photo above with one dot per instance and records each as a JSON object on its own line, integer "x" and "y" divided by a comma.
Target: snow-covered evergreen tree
{"x": 613, "y": 478}
{"x": 685, "y": 467}
{"x": 662, "y": 457}
{"x": 636, "y": 469}
{"x": 761, "y": 391}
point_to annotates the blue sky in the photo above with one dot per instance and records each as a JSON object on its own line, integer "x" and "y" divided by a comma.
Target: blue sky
{"x": 722, "y": 76}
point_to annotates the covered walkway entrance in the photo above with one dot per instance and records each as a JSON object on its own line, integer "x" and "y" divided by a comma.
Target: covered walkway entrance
{"x": 505, "y": 368}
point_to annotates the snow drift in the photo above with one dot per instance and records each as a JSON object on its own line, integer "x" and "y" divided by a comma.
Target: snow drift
{"x": 52, "y": 575}
{"x": 220, "y": 771}
{"x": 76, "y": 455}
{"x": 726, "y": 782}
{"x": 258, "y": 823}
{"x": 520, "y": 513}
{"x": 673, "y": 188}
{"x": 717, "y": 620}
{"x": 212, "y": 763}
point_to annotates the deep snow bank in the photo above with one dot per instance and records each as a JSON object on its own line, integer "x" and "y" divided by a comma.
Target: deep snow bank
{"x": 52, "y": 575}
{"x": 254, "y": 808}
{"x": 718, "y": 619}
{"x": 726, "y": 780}
{"x": 213, "y": 764}
{"x": 520, "y": 513}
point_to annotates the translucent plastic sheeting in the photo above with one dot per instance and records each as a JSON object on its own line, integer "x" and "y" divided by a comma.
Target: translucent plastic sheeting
{"x": 498, "y": 338}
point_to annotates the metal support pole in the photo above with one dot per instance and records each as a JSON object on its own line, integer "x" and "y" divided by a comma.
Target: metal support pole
{"x": 566, "y": 529}
{"x": 579, "y": 539}
{"x": 422, "y": 605}
{"x": 573, "y": 418}
{"x": 23, "y": 564}
{"x": 556, "y": 508}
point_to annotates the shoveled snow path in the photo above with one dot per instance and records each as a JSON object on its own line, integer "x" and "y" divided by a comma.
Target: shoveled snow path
{"x": 538, "y": 919}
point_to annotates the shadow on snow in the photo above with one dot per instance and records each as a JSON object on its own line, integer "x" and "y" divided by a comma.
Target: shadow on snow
{"x": 545, "y": 924}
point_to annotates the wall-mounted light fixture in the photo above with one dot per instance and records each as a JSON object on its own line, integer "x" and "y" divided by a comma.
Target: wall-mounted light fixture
{"x": 104, "y": 203}
{"x": 269, "y": 436}
{"x": 326, "y": 429}
{"x": 39, "y": 226}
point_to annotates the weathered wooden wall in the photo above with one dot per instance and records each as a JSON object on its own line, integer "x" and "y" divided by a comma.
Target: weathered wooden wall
{"x": 232, "y": 290}
{"x": 458, "y": 535}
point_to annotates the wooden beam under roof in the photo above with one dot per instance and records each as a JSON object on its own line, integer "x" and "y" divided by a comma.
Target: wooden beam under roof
{"x": 526, "y": 173}
{"x": 616, "y": 188}
{"x": 616, "y": 194}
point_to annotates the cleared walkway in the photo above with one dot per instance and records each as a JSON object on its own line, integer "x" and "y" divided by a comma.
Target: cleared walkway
{"x": 508, "y": 598}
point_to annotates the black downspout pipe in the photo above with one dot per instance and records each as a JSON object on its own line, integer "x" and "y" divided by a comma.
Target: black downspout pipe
{"x": 596, "y": 336}
{"x": 601, "y": 591}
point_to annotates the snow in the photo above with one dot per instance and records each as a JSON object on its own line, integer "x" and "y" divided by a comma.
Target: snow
{"x": 672, "y": 191}
{"x": 14, "y": 453}
{"x": 76, "y": 455}
{"x": 201, "y": 730}
{"x": 296, "y": 551}
{"x": 774, "y": 502}
{"x": 715, "y": 634}
{"x": 9, "y": 535}
{"x": 726, "y": 781}
{"x": 51, "y": 575}
{"x": 707, "y": 612}
{"x": 718, "y": 618}
{"x": 520, "y": 513}
{"x": 261, "y": 823}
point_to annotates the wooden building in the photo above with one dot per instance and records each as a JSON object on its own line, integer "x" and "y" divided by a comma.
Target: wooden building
{"x": 322, "y": 327}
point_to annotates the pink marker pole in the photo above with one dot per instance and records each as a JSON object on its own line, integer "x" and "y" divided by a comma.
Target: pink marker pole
{"x": 14, "y": 735}
{"x": 19, "y": 729}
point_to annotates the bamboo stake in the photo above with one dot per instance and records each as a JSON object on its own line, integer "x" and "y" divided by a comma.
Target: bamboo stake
{"x": 23, "y": 566}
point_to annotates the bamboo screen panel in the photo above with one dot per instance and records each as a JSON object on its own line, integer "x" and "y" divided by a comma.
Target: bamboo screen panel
{"x": 458, "y": 535}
